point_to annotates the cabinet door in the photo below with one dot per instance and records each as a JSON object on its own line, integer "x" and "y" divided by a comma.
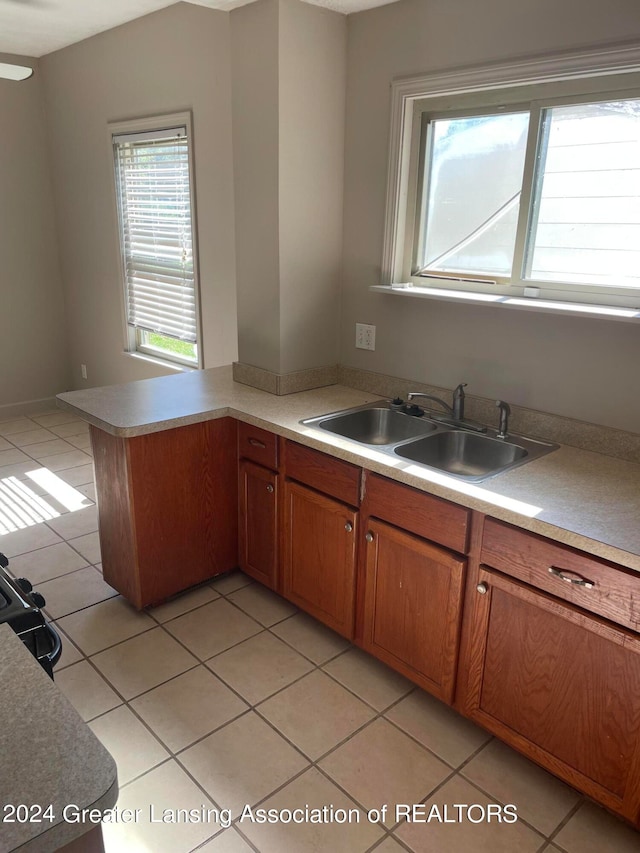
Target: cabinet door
{"x": 319, "y": 556}
{"x": 258, "y": 516}
{"x": 559, "y": 684}
{"x": 413, "y": 606}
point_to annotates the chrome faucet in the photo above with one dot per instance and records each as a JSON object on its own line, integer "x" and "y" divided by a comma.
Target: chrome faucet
{"x": 456, "y": 411}
{"x": 505, "y": 411}
{"x": 413, "y": 394}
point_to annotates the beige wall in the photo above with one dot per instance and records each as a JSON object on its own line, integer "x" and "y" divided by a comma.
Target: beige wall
{"x": 254, "y": 52}
{"x": 33, "y": 334}
{"x": 582, "y": 368}
{"x": 289, "y": 79}
{"x": 286, "y": 100}
{"x": 172, "y": 60}
{"x": 312, "y": 100}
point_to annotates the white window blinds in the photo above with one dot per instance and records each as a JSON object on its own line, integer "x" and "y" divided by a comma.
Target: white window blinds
{"x": 154, "y": 201}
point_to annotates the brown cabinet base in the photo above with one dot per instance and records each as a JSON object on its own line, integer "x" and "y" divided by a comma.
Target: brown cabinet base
{"x": 167, "y": 505}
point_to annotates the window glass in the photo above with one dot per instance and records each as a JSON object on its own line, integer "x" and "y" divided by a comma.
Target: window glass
{"x": 157, "y": 237}
{"x": 473, "y": 182}
{"x": 586, "y": 225}
{"x": 152, "y": 342}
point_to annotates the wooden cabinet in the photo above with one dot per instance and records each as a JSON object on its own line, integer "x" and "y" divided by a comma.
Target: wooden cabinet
{"x": 560, "y": 685}
{"x": 537, "y": 642}
{"x": 258, "y": 504}
{"x": 258, "y": 517}
{"x": 258, "y": 445}
{"x": 168, "y": 508}
{"x": 320, "y": 526}
{"x": 319, "y": 471}
{"x": 412, "y": 606}
{"x": 588, "y": 582}
{"x": 410, "y": 590}
{"x": 418, "y": 512}
{"x": 319, "y": 556}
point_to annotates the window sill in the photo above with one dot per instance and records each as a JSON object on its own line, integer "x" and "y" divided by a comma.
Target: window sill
{"x": 546, "y": 306}
{"x": 160, "y": 362}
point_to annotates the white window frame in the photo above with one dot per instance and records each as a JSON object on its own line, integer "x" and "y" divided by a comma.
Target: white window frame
{"x": 133, "y": 336}
{"x": 492, "y": 84}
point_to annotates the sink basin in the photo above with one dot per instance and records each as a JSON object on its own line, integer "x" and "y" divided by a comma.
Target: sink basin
{"x": 463, "y": 454}
{"x": 375, "y": 425}
{"x": 454, "y": 450}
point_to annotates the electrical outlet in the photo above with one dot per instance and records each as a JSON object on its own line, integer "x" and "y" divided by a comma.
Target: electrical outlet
{"x": 365, "y": 336}
{"x": 83, "y": 370}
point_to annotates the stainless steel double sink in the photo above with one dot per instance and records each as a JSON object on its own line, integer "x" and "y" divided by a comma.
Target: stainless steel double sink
{"x": 467, "y": 455}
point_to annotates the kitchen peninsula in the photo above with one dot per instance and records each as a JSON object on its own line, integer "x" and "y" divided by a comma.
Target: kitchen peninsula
{"x": 516, "y": 601}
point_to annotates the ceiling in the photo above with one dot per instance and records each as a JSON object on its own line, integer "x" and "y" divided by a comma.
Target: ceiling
{"x": 37, "y": 27}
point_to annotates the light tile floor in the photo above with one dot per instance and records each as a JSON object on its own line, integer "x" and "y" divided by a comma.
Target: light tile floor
{"x": 228, "y": 696}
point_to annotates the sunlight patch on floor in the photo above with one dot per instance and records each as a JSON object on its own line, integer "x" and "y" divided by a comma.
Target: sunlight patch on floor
{"x": 21, "y": 507}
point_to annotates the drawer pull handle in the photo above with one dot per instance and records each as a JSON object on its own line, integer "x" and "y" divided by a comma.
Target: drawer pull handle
{"x": 348, "y": 527}
{"x": 256, "y": 443}
{"x": 482, "y": 588}
{"x": 369, "y": 536}
{"x": 576, "y": 581}
{"x": 270, "y": 489}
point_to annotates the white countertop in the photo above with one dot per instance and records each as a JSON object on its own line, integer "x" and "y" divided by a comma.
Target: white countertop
{"x": 50, "y": 756}
{"x": 583, "y": 499}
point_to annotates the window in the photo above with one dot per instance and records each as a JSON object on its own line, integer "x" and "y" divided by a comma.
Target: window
{"x": 520, "y": 192}
{"x": 154, "y": 192}
{"x": 472, "y": 183}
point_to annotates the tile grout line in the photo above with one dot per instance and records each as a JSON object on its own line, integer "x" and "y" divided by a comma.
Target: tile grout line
{"x": 176, "y": 755}
{"x": 378, "y": 714}
{"x": 571, "y": 813}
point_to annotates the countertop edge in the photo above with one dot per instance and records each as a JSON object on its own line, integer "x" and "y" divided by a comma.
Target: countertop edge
{"x": 39, "y": 717}
{"x": 64, "y": 833}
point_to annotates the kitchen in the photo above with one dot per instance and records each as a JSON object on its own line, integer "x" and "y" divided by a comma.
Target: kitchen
{"x": 247, "y": 83}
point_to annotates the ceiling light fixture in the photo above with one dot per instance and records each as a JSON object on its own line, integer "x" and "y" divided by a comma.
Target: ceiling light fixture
{"x": 8, "y": 71}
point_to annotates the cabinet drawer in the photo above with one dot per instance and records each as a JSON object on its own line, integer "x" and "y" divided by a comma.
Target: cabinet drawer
{"x": 574, "y": 576}
{"x": 258, "y": 445}
{"x": 322, "y": 472}
{"x": 419, "y": 513}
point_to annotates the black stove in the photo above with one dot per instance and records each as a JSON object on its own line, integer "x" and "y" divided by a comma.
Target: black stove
{"x": 20, "y": 609}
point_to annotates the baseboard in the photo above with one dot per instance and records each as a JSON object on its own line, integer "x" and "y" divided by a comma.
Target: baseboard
{"x": 27, "y": 407}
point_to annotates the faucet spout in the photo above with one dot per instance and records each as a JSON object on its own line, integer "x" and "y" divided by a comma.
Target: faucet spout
{"x": 413, "y": 394}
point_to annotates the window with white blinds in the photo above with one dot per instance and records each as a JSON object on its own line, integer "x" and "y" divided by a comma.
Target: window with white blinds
{"x": 153, "y": 188}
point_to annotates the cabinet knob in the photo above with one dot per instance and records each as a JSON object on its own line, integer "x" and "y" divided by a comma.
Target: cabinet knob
{"x": 348, "y": 527}
{"x": 369, "y": 536}
{"x": 482, "y": 588}
{"x": 270, "y": 489}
